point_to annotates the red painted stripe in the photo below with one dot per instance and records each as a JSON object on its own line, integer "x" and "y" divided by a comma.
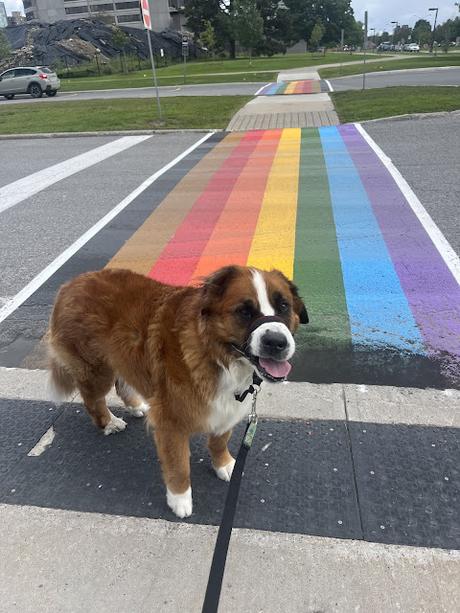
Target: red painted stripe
{"x": 306, "y": 87}
{"x": 181, "y": 255}
{"x": 232, "y": 237}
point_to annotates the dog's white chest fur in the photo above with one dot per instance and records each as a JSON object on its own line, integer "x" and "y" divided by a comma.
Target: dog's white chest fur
{"x": 226, "y": 411}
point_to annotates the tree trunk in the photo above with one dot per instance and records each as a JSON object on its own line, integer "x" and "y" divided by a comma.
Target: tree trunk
{"x": 232, "y": 49}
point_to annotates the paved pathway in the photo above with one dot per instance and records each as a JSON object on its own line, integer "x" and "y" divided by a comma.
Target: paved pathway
{"x": 294, "y": 111}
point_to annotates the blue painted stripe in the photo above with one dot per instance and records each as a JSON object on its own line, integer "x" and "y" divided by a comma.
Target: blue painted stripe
{"x": 378, "y": 309}
{"x": 270, "y": 90}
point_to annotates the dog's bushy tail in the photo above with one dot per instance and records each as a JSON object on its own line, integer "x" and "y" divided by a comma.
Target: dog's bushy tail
{"x": 60, "y": 383}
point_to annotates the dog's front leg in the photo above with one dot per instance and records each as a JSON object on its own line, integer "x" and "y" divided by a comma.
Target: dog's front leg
{"x": 174, "y": 452}
{"x": 222, "y": 461}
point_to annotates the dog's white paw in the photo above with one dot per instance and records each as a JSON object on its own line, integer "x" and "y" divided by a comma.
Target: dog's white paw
{"x": 116, "y": 424}
{"x": 139, "y": 411}
{"x": 180, "y": 504}
{"x": 225, "y": 472}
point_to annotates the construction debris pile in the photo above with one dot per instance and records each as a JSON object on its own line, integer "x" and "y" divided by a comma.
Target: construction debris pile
{"x": 73, "y": 42}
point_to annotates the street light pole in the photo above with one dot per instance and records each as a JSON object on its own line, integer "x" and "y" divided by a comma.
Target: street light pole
{"x": 434, "y": 27}
{"x": 396, "y": 25}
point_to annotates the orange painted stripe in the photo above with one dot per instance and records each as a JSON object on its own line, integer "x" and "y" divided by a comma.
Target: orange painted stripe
{"x": 232, "y": 236}
{"x": 181, "y": 255}
{"x": 147, "y": 243}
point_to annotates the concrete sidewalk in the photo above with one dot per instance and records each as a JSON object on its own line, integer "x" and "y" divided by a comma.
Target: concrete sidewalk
{"x": 62, "y": 560}
{"x": 293, "y": 111}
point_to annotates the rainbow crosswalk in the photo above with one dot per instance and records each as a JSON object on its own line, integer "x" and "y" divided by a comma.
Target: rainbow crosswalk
{"x": 321, "y": 206}
{"x": 307, "y": 86}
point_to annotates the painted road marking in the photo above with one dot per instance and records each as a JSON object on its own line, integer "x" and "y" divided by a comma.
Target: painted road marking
{"x": 321, "y": 205}
{"x": 328, "y": 83}
{"x": 24, "y": 188}
{"x": 442, "y": 244}
{"x": 46, "y": 273}
{"x": 378, "y": 309}
{"x": 307, "y": 86}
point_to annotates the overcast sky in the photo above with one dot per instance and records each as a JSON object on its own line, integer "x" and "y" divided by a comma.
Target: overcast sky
{"x": 381, "y": 12}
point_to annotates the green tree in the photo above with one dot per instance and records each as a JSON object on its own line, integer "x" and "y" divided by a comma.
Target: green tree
{"x": 316, "y": 35}
{"x": 5, "y": 49}
{"x": 248, "y": 24}
{"x": 208, "y": 37}
{"x": 333, "y": 14}
{"x": 421, "y": 32}
{"x": 120, "y": 40}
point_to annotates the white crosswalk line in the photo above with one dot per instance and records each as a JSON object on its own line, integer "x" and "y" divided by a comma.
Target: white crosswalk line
{"x": 24, "y": 188}
{"x": 46, "y": 273}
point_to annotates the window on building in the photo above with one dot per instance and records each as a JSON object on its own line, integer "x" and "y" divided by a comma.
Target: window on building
{"x": 125, "y": 18}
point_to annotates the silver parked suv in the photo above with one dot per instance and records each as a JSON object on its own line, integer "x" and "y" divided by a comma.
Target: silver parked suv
{"x": 35, "y": 81}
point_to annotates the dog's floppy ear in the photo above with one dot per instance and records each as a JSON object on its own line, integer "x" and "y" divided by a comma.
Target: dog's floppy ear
{"x": 299, "y": 306}
{"x": 215, "y": 285}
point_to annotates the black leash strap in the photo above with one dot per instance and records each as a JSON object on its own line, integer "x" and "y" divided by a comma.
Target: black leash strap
{"x": 216, "y": 574}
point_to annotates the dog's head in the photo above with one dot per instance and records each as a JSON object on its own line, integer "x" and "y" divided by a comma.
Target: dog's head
{"x": 254, "y": 313}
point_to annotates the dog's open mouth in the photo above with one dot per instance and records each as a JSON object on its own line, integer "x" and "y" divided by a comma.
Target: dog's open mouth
{"x": 272, "y": 369}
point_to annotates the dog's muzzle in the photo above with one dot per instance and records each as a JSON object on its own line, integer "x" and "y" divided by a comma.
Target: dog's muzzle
{"x": 268, "y": 347}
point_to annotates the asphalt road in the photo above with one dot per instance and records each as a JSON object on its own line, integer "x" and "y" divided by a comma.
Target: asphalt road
{"x": 426, "y": 152}
{"x": 418, "y": 76}
{"x": 212, "y": 89}
{"x": 36, "y": 230}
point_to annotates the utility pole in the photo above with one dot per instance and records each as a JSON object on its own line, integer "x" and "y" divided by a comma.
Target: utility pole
{"x": 434, "y": 27}
{"x": 365, "y": 49}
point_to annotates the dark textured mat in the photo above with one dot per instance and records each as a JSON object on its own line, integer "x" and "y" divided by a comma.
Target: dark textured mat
{"x": 300, "y": 477}
{"x": 23, "y": 329}
{"x": 408, "y": 483}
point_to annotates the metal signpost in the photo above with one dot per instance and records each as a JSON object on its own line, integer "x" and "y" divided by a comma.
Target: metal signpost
{"x": 185, "y": 54}
{"x": 145, "y": 10}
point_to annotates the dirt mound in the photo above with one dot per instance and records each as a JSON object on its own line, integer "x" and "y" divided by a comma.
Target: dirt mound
{"x": 75, "y": 41}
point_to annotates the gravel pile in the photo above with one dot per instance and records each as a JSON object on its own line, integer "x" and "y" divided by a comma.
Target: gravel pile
{"x": 75, "y": 41}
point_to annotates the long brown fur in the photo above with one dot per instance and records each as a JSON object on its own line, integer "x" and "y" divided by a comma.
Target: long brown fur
{"x": 165, "y": 342}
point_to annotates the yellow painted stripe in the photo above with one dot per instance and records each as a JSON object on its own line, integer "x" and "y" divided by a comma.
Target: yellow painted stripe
{"x": 273, "y": 244}
{"x": 290, "y": 88}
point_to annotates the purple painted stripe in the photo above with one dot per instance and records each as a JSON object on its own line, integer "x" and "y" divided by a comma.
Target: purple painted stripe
{"x": 430, "y": 288}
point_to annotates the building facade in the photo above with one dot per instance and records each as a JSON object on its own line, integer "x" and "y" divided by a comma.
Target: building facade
{"x": 3, "y": 17}
{"x": 124, "y": 12}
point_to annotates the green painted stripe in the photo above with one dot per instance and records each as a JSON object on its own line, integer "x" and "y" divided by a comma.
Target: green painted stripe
{"x": 317, "y": 269}
{"x": 282, "y": 88}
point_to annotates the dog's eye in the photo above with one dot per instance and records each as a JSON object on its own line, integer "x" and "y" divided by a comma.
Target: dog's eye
{"x": 245, "y": 312}
{"x": 283, "y": 306}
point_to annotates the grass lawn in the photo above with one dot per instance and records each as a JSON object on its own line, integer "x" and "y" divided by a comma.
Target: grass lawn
{"x": 239, "y": 70}
{"x": 415, "y": 61}
{"x": 144, "y": 79}
{"x": 131, "y": 114}
{"x": 389, "y": 101}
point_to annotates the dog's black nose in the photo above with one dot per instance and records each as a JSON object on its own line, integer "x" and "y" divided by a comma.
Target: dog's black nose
{"x": 273, "y": 342}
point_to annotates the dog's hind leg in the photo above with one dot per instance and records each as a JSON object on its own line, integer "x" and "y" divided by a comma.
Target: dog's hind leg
{"x": 93, "y": 393}
{"x": 134, "y": 403}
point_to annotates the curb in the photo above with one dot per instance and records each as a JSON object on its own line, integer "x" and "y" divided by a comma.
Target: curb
{"x": 104, "y": 133}
{"x": 396, "y": 71}
{"x": 414, "y": 116}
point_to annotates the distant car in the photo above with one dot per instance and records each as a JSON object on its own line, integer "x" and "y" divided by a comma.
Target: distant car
{"x": 386, "y": 46}
{"x": 412, "y": 47}
{"x": 36, "y": 81}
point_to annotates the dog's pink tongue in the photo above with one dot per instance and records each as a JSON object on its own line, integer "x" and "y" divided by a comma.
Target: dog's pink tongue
{"x": 274, "y": 368}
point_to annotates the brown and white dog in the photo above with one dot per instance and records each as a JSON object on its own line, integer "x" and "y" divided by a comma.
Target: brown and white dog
{"x": 186, "y": 350}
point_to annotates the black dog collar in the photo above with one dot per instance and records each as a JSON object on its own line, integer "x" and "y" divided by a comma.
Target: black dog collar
{"x": 256, "y": 380}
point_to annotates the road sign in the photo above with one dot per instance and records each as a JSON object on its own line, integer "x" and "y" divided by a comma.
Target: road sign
{"x": 185, "y": 49}
{"x": 145, "y": 10}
